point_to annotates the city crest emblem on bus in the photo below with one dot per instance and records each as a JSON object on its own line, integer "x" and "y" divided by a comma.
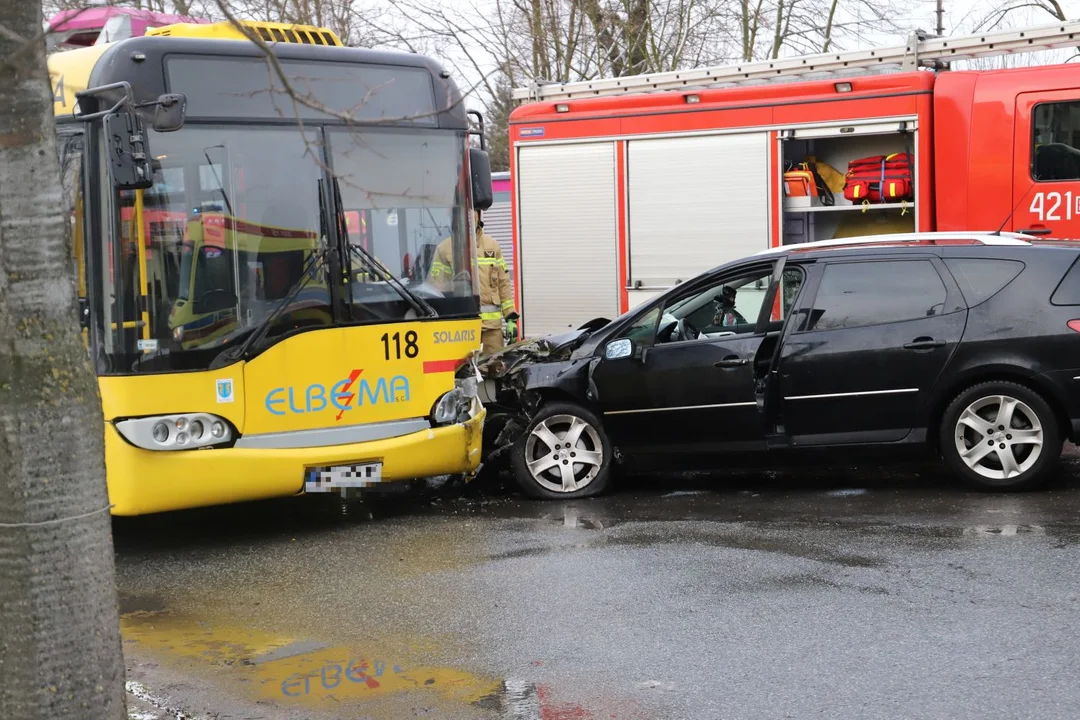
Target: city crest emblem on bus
{"x": 225, "y": 391}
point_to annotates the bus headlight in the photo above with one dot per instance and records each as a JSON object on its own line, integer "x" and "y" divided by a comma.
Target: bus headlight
{"x": 186, "y": 431}
{"x": 458, "y": 405}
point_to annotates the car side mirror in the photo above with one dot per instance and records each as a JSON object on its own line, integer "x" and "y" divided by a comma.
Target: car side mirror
{"x": 170, "y": 110}
{"x": 128, "y": 151}
{"x": 480, "y": 166}
{"x": 619, "y": 349}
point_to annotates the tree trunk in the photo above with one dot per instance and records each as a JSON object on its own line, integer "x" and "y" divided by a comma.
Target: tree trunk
{"x": 637, "y": 37}
{"x": 827, "y": 45}
{"x": 778, "y": 35}
{"x": 606, "y": 39}
{"x": 60, "y": 654}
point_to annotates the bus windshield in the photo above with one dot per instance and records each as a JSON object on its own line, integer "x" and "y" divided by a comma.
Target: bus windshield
{"x": 237, "y": 230}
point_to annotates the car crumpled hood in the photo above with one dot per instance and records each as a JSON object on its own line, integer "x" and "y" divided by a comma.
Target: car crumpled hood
{"x": 551, "y": 348}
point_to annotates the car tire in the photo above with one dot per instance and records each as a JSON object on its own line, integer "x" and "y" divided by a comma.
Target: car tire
{"x": 549, "y": 472}
{"x": 984, "y": 453}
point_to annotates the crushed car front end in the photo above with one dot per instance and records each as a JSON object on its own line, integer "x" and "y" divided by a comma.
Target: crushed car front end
{"x": 516, "y": 381}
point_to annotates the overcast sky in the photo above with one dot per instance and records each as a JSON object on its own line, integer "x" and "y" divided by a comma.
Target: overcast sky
{"x": 959, "y": 17}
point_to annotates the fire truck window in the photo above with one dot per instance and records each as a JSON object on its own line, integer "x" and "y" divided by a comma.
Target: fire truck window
{"x": 1056, "y": 141}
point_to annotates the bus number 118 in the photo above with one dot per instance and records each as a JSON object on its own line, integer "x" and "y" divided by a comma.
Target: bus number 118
{"x": 411, "y": 350}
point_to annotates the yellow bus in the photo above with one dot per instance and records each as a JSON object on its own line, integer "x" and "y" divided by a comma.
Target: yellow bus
{"x": 252, "y": 239}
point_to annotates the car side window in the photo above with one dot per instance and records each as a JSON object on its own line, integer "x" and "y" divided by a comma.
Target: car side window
{"x": 641, "y": 331}
{"x": 725, "y": 308}
{"x": 981, "y": 278}
{"x": 790, "y": 284}
{"x": 858, "y": 294}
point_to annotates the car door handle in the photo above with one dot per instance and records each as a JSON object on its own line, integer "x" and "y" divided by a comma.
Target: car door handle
{"x": 924, "y": 343}
{"x": 1035, "y": 231}
{"x": 731, "y": 361}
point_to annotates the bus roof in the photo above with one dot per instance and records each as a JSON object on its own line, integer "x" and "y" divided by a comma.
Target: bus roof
{"x": 141, "y": 61}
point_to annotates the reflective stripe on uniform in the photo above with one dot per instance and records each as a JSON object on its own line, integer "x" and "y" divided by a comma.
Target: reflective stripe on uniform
{"x": 440, "y": 267}
{"x": 489, "y": 308}
{"x": 508, "y": 304}
{"x": 491, "y": 316}
{"x": 488, "y": 261}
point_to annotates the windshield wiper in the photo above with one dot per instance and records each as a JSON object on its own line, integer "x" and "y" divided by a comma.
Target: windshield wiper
{"x": 369, "y": 261}
{"x": 315, "y": 261}
{"x": 418, "y": 303}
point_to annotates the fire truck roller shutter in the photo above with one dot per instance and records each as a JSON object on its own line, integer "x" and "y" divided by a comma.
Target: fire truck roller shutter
{"x": 695, "y": 202}
{"x": 568, "y": 236}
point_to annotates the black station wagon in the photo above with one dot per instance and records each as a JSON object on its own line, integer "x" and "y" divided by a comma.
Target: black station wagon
{"x": 967, "y": 344}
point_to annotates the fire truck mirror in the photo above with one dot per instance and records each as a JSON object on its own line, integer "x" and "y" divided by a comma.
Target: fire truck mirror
{"x": 480, "y": 165}
{"x": 128, "y": 151}
{"x": 170, "y": 112}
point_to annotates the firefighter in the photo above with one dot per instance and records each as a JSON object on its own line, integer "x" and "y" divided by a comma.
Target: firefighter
{"x": 496, "y": 297}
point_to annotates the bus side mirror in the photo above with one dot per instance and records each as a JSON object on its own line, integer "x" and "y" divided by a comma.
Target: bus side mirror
{"x": 480, "y": 165}
{"x": 170, "y": 110}
{"x": 128, "y": 151}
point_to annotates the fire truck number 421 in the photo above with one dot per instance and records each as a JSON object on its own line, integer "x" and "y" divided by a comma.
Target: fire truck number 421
{"x": 1049, "y": 206}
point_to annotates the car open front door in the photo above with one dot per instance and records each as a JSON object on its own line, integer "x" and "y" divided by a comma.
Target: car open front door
{"x": 873, "y": 339}
{"x": 694, "y": 378}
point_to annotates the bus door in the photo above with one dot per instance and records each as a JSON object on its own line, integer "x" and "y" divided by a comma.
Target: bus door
{"x": 71, "y": 165}
{"x": 1046, "y": 167}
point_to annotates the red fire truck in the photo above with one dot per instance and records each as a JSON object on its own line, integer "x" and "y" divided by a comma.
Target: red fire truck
{"x": 624, "y": 187}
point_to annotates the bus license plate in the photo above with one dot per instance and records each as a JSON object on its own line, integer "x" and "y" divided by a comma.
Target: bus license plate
{"x": 329, "y": 479}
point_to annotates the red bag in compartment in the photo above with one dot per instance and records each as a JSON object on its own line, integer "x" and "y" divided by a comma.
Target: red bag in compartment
{"x": 879, "y": 179}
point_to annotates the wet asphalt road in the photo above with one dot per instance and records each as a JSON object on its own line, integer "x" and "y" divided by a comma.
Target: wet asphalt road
{"x": 872, "y": 593}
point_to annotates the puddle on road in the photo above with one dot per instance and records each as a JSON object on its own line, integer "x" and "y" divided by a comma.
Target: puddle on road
{"x": 306, "y": 673}
{"x": 1005, "y": 530}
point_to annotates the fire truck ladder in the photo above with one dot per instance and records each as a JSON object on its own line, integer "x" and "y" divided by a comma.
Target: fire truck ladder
{"x": 921, "y": 51}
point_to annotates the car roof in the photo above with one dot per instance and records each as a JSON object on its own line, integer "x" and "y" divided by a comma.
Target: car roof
{"x": 970, "y": 239}
{"x": 893, "y": 240}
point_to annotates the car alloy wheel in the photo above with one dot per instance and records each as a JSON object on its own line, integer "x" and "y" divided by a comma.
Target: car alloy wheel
{"x": 999, "y": 437}
{"x": 564, "y": 453}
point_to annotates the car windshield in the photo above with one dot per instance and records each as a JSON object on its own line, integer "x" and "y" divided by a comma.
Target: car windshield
{"x": 235, "y": 233}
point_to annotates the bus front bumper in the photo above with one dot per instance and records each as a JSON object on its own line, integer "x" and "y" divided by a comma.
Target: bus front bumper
{"x": 148, "y": 481}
